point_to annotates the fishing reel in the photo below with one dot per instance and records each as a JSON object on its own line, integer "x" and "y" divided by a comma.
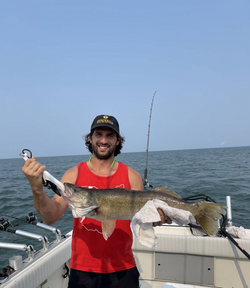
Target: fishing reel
{"x": 5, "y": 223}
{"x": 6, "y": 273}
{"x": 30, "y": 218}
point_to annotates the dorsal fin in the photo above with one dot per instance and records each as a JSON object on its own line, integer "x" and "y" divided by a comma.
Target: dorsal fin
{"x": 166, "y": 190}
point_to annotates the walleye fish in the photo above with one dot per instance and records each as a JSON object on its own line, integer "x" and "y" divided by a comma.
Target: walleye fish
{"x": 108, "y": 205}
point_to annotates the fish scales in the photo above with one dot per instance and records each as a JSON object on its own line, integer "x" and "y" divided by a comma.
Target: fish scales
{"x": 125, "y": 205}
{"x": 122, "y": 206}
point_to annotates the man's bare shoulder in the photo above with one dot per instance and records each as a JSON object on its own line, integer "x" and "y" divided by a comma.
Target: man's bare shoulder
{"x": 70, "y": 175}
{"x": 135, "y": 179}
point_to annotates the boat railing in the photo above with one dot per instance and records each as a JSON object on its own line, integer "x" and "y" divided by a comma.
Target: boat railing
{"x": 23, "y": 247}
{"x": 54, "y": 230}
{"x": 38, "y": 237}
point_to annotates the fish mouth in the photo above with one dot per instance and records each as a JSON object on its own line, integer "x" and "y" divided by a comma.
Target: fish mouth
{"x": 67, "y": 192}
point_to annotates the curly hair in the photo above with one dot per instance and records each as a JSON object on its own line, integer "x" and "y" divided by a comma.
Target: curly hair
{"x": 117, "y": 149}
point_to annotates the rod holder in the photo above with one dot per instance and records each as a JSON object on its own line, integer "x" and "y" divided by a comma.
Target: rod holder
{"x": 51, "y": 229}
{"x": 44, "y": 239}
{"x": 29, "y": 249}
{"x": 229, "y": 211}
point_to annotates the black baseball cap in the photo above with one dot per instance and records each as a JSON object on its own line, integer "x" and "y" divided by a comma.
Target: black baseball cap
{"x": 106, "y": 121}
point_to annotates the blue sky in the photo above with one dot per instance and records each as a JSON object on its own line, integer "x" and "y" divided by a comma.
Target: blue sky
{"x": 64, "y": 62}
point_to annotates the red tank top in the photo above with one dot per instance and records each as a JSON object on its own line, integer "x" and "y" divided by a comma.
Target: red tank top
{"x": 90, "y": 251}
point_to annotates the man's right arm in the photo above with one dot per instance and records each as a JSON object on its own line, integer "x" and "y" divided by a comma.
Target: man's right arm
{"x": 50, "y": 210}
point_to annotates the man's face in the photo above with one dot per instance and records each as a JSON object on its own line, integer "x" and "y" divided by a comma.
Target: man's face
{"x": 104, "y": 142}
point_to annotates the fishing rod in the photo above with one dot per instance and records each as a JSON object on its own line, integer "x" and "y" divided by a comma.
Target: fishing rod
{"x": 4, "y": 226}
{"x": 32, "y": 219}
{"x": 230, "y": 238}
{"x": 145, "y": 180}
{"x": 226, "y": 234}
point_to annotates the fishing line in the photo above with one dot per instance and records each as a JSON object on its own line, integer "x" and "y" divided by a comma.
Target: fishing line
{"x": 29, "y": 218}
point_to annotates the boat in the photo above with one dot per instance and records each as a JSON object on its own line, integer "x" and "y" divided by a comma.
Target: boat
{"x": 181, "y": 260}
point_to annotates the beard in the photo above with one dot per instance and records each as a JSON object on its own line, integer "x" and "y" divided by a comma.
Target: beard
{"x": 100, "y": 156}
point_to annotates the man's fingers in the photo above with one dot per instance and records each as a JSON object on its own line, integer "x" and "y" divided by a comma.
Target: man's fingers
{"x": 163, "y": 219}
{"x": 33, "y": 168}
{"x": 168, "y": 220}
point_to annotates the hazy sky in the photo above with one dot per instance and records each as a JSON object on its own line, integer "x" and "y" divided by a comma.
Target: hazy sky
{"x": 64, "y": 62}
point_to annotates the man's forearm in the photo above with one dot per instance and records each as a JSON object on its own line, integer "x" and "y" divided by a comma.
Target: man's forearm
{"x": 46, "y": 207}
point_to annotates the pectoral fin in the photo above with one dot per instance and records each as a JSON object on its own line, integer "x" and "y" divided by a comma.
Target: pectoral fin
{"x": 108, "y": 227}
{"x": 79, "y": 212}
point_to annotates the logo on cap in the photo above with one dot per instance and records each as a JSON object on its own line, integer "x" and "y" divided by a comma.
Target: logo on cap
{"x": 105, "y": 120}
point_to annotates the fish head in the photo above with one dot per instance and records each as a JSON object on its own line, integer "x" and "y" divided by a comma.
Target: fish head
{"x": 75, "y": 194}
{"x": 80, "y": 200}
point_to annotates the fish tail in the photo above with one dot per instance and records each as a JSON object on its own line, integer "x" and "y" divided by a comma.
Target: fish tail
{"x": 207, "y": 214}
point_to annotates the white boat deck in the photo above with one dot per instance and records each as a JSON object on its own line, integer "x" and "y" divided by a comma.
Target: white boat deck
{"x": 195, "y": 260}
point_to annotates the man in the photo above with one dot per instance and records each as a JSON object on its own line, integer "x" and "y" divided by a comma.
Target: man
{"x": 95, "y": 262}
